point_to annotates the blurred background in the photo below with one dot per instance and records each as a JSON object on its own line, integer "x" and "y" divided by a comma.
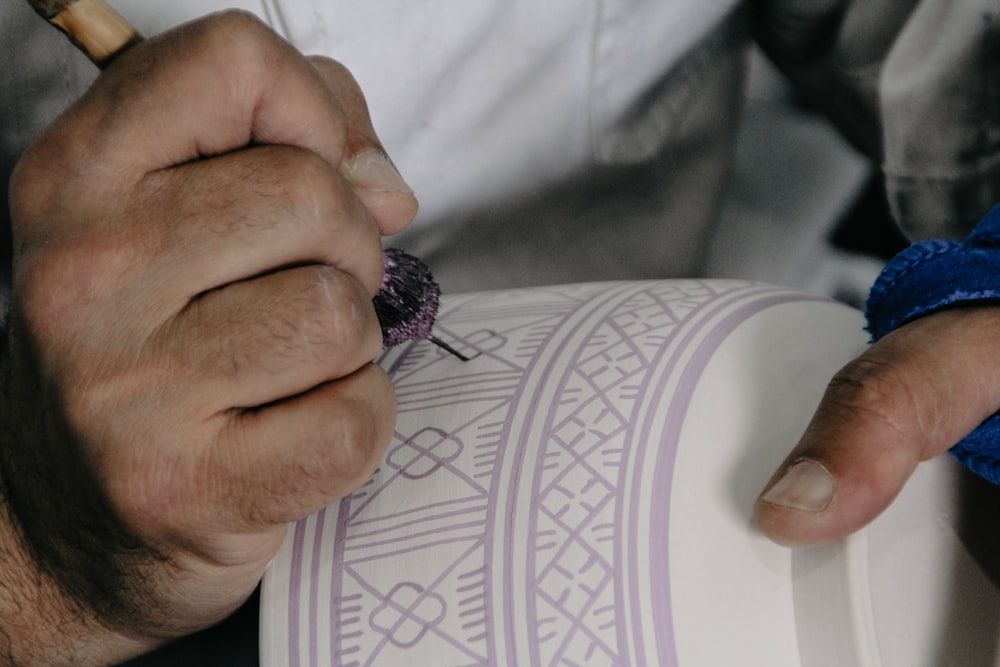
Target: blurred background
{"x": 827, "y": 229}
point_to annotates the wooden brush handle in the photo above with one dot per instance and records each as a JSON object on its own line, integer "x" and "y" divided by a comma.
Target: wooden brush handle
{"x": 93, "y": 25}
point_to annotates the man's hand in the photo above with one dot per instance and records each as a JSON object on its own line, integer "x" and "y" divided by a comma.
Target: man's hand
{"x": 187, "y": 364}
{"x": 909, "y": 397}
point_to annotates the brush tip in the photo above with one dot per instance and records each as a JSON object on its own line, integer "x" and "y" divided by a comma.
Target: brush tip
{"x": 407, "y": 302}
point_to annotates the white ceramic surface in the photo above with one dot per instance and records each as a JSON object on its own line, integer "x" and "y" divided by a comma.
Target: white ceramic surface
{"x": 579, "y": 493}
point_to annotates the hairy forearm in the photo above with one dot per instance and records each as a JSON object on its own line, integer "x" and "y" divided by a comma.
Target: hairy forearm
{"x": 40, "y": 624}
{"x": 60, "y": 583}
{"x": 168, "y": 412}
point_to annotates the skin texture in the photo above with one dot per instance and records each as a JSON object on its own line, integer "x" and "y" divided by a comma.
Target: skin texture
{"x": 909, "y": 397}
{"x": 922, "y": 389}
{"x": 187, "y": 365}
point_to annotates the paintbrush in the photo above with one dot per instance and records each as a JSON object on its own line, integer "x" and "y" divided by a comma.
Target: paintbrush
{"x": 92, "y": 25}
{"x": 407, "y": 301}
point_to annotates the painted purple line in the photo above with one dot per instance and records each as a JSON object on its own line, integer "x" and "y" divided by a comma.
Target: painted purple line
{"x": 314, "y": 589}
{"x": 428, "y": 590}
{"x": 295, "y": 585}
{"x": 596, "y": 303}
{"x": 457, "y": 429}
{"x": 474, "y": 509}
{"x": 572, "y": 533}
{"x": 680, "y": 402}
{"x": 387, "y": 483}
{"x": 463, "y": 528}
{"x": 641, "y": 296}
{"x": 337, "y": 586}
{"x": 551, "y": 347}
{"x": 507, "y": 377}
{"x": 703, "y": 310}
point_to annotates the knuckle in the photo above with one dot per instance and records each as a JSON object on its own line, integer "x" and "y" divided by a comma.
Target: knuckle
{"x": 307, "y": 192}
{"x": 30, "y": 190}
{"x": 324, "y": 320}
{"x": 316, "y": 320}
{"x": 337, "y": 453}
{"x": 310, "y": 187}
{"x": 52, "y": 281}
{"x": 342, "y": 81}
{"x": 46, "y": 183}
{"x": 351, "y": 451}
{"x": 242, "y": 44}
{"x": 334, "y": 68}
{"x": 354, "y": 440}
{"x": 874, "y": 389}
{"x": 239, "y": 25}
{"x": 239, "y": 19}
{"x": 335, "y": 463}
{"x": 50, "y": 275}
{"x": 335, "y": 312}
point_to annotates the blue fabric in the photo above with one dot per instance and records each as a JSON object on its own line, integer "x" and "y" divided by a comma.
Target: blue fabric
{"x": 932, "y": 275}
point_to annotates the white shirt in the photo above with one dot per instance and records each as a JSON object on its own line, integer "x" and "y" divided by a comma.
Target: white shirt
{"x": 546, "y": 141}
{"x": 572, "y": 140}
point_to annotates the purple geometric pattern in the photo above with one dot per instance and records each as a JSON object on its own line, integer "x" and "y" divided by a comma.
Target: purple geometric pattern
{"x": 509, "y": 523}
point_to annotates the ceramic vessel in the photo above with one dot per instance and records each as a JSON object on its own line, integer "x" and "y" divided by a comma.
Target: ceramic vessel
{"x": 580, "y": 491}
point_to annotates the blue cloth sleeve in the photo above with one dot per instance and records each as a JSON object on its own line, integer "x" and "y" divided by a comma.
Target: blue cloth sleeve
{"x": 932, "y": 275}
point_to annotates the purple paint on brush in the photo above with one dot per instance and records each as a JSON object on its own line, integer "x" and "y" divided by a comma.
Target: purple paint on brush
{"x": 407, "y": 302}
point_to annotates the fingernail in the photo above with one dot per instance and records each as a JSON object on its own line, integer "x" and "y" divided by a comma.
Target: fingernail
{"x": 372, "y": 170}
{"x": 807, "y": 486}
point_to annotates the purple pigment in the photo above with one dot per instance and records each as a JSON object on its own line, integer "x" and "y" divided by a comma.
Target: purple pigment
{"x": 407, "y": 302}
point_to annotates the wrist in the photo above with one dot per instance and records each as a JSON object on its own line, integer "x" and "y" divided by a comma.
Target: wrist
{"x": 42, "y": 620}
{"x": 40, "y": 624}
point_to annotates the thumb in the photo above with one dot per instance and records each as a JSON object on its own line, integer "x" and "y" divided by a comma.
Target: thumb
{"x": 910, "y": 396}
{"x": 366, "y": 165}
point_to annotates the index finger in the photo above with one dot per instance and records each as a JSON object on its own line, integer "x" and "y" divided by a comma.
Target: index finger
{"x": 206, "y": 88}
